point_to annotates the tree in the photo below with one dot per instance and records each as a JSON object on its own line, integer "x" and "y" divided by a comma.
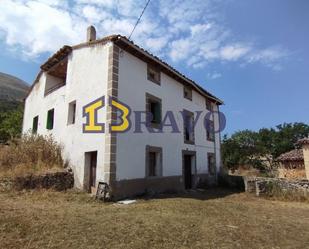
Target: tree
{"x": 10, "y": 124}
{"x": 287, "y": 135}
{"x": 253, "y": 148}
{"x": 241, "y": 149}
{"x": 266, "y": 144}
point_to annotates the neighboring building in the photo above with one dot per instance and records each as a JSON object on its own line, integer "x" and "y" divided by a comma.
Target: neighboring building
{"x": 130, "y": 162}
{"x": 292, "y": 165}
{"x": 295, "y": 163}
{"x": 305, "y": 145}
{"x": 292, "y": 159}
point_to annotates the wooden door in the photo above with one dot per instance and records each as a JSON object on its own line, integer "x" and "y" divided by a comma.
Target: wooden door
{"x": 93, "y": 169}
{"x": 188, "y": 171}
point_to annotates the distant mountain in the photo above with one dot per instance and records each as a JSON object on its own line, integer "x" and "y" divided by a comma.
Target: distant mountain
{"x": 12, "y": 88}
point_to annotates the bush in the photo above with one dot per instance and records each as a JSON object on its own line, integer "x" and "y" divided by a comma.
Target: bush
{"x": 277, "y": 191}
{"x": 30, "y": 154}
{"x": 11, "y": 118}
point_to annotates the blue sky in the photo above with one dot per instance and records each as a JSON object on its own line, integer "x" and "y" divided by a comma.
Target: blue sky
{"x": 253, "y": 54}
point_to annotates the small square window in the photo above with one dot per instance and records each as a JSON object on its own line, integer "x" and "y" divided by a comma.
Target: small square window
{"x": 188, "y": 124}
{"x": 153, "y": 161}
{"x": 211, "y": 163}
{"x": 50, "y": 119}
{"x": 210, "y": 130}
{"x": 187, "y": 92}
{"x": 72, "y": 113}
{"x": 153, "y": 74}
{"x": 209, "y": 105}
{"x": 154, "y": 108}
{"x": 35, "y": 124}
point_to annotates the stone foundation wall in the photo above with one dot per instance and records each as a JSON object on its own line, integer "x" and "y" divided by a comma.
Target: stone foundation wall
{"x": 263, "y": 186}
{"x": 153, "y": 185}
{"x": 134, "y": 187}
{"x": 59, "y": 181}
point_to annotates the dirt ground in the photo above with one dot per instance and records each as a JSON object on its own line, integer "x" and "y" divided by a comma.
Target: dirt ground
{"x": 212, "y": 219}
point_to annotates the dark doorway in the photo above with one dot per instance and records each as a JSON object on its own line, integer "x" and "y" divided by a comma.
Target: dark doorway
{"x": 91, "y": 170}
{"x": 188, "y": 171}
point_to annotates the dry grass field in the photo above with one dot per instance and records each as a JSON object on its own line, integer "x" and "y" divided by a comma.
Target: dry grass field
{"x": 212, "y": 219}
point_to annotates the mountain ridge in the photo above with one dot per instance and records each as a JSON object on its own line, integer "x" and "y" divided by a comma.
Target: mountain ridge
{"x": 12, "y": 88}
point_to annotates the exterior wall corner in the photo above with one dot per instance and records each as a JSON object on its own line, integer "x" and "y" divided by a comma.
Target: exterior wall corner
{"x": 111, "y": 117}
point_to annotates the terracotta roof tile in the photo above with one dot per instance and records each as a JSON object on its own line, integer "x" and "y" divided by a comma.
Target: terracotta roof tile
{"x": 57, "y": 57}
{"x": 293, "y": 155}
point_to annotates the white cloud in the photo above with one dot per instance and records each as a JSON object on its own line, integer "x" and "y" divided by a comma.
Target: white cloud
{"x": 180, "y": 49}
{"x": 234, "y": 52}
{"x": 156, "y": 44}
{"x": 118, "y": 26}
{"x": 130, "y": 8}
{"x": 94, "y": 14}
{"x": 181, "y": 31}
{"x": 198, "y": 28}
{"x": 105, "y": 3}
{"x": 214, "y": 75}
{"x": 55, "y": 3}
{"x": 268, "y": 55}
{"x": 37, "y": 27}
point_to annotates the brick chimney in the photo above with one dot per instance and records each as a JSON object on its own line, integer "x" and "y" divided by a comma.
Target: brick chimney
{"x": 91, "y": 34}
{"x": 305, "y": 145}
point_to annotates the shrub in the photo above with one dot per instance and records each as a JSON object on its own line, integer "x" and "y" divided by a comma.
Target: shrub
{"x": 11, "y": 118}
{"x": 277, "y": 191}
{"x": 30, "y": 154}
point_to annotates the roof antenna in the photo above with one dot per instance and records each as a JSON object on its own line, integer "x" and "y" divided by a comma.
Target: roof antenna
{"x": 138, "y": 20}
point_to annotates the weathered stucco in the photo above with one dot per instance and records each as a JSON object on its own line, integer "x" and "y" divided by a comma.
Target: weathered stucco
{"x": 86, "y": 81}
{"x": 91, "y": 74}
{"x": 133, "y": 85}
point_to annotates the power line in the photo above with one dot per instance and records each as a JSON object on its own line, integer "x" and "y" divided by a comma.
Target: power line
{"x": 138, "y": 20}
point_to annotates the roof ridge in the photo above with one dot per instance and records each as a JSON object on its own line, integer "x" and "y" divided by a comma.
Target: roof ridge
{"x": 66, "y": 49}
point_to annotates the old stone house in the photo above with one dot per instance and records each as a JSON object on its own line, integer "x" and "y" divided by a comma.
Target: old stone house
{"x": 79, "y": 94}
{"x": 295, "y": 163}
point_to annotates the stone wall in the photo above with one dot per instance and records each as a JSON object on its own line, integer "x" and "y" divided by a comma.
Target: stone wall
{"x": 154, "y": 185}
{"x": 292, "y": 174}
{"x": 58, "y": 181}
{"x": 262, "y": 186}
{"x": 265, "y": 186}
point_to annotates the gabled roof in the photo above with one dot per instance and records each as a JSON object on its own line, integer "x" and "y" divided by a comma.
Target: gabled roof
{"x": 293, "y": 155}
{"x": 56, "y": 58}
{"x": 127, "y": 45}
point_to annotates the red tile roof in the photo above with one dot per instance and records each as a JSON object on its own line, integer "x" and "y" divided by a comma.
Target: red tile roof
{"x": 57, "y": 57}
{"x": 293, "y": 155}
